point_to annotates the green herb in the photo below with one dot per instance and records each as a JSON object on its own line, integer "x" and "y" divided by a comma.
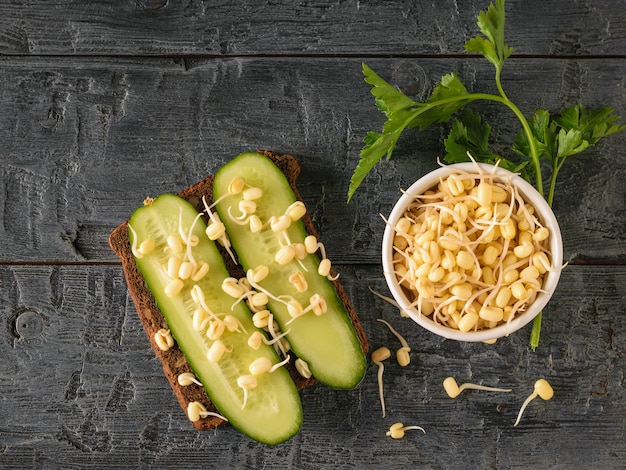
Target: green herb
{"x": 542, "y": 136}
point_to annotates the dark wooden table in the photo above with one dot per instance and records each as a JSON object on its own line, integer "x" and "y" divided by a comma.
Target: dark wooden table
{"x": 103, "y": 103}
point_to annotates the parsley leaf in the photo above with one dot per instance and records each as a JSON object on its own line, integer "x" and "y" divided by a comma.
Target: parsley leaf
{"x": 448, "y": 96}
{"x": 576, "y": 129}
{"x": 469, "y": 134}
{"x": 491, "y": 24}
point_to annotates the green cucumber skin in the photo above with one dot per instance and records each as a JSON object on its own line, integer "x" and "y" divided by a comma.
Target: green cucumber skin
{"x": 279, "y": 416}
{"x": 328, "y": 343}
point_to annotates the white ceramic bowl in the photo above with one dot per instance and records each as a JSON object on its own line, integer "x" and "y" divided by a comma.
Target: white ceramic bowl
{"x": 551, "y": 278}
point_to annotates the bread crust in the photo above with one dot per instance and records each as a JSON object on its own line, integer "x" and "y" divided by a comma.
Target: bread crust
{"x": 173, "y": 361}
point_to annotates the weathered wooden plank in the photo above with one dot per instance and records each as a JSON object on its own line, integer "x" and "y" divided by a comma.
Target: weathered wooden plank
{"x": 85, "y": 140}
{"x": 80, "y": 387}
{"x": 159, "y": 27}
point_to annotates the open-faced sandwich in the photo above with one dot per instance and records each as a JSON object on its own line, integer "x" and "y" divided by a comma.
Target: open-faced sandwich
{"x": 238, "y": 298}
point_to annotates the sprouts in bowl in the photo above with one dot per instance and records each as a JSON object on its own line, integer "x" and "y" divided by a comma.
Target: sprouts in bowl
{"x": 472, "y": 252}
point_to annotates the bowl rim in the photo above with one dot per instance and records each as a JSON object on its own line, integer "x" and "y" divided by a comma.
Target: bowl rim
{"x": 530, "y": 195}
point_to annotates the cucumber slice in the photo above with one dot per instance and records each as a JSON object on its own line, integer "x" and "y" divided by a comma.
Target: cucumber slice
{"x": 271, "y": 412}
{"x": 327, "y": 342}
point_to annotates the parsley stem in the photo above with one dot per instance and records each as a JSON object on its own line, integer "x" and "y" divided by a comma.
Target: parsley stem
{"x": 503, "y": 99}
{"x": 535, "y": 332}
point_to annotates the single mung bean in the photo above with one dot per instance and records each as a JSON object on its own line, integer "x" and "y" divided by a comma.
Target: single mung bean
{"x": 296, "y": 211}
{"x": 378, "y": 357}
{"x": 163, "y": 339}
{"x": 173, "y": 287}
{"x": 397, "y": 430}
{"x": 454, "y": 390}
{"x": 187, "y": 378}
{"x": 216, "y": 351}
{"x": 303, "y": 368}
{"x": 542, "y": 389}
{"x": 252, "y": 193}
{"x": 324, "y": 267}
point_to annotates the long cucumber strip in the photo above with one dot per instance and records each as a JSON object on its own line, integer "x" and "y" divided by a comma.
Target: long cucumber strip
{"x": 271, "y": 412}
{"x": 328, "y": 341}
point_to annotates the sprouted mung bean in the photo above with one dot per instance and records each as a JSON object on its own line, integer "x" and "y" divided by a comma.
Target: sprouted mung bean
{"x": 471, "y": 253}
{"x": 196, "y": 410}
{"x": 164, "y": 340}
{"x": 543, "y": 390}
{"x": 397, "y": 430}
{"x": 454, "y": 390}
{"x": 402, "y": 355}
{"x": 378, "y": 357}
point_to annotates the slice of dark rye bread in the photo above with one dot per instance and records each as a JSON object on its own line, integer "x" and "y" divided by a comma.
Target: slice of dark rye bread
{"x": 173, "y": 361}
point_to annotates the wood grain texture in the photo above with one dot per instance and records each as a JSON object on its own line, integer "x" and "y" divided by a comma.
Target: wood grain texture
{"x": 169, "y": 28}
{"x": 104, "y": 103}
{"x": 85, "y": 145}
{"x": 81, "y": 386}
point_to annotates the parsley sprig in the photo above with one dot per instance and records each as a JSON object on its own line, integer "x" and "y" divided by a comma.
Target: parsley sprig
{"x": 541, "y": 137}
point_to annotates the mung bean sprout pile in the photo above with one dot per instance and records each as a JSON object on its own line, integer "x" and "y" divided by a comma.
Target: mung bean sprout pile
{"x": 471, "y": 253}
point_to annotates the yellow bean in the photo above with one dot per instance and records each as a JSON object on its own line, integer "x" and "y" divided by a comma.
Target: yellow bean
{"x": 491, "y": 314}
{"x": 510, "y": 276}
{"x": 400, "y": 242}
{"x": 255, "y": 223}
{"x": 508, "y": 229}
{"x": 462, "y": 291}
{"x": 298, "y": 280}
{"x": 280, "y": 223}
{"x": 433, "y": 253}
{"x": 509, "y": 260}
{"x": 525, "y": 238}
{"x": 503, "y": 297}
{"x": 174, "y": 244}
{"x": 236, "y": 185}
{"x": 501, "y": 211}
{"x": 531, "y": 272}
{"x": 310, "y": 243}
{"x": 455, "y": 185}
{"x": 523, "y": 251}
{"x": 146, "y": 246}
{"x": 285, "y": 254}
{"x": 523, "y": 225}
{"x": 201, "y": 270}
{"x": 498, "y": 194}
{"x": 448, "y": 261}
{"x": 484, "y": 213}
{"x": 424, "y": 238}
{"x": 437, "y": 274}
{"x": 464, "y": 260}
{"x": 541, "y": 234}
{"x": 403, "y": 225}
{"x": 303, "y": 368}
{"x": 215, "y": 230}
{"x": 260, "y": 365}
{"x": 467, "y": 322}
{"x": 324, "y": 267}
{"x": 173, "y": 266}
{"x": 173, "y": 288}
{"x": 216, "y": 351}
{"x": 487, "y": 275}
{"x": 541, "y": 262}
{"x": 255, "y": 340}
{"x": 518, "y": 290}
{"x": 490, "y": 255}
{"x": 448, "y": 243}
{"x": 425, "y": 288}
{"x": 424, "y": 270}
{"x": 186, "y": 270}
{"x": 461, "y": 211}
{"x": 484, "y": 194}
